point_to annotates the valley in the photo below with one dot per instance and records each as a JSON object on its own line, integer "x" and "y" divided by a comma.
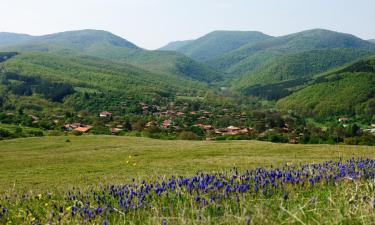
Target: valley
{"x": 252, "y": 82}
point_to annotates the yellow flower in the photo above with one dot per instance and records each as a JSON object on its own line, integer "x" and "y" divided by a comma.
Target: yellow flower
{"x": 134, "y": 164}
{"x": 127, "y": 161}
{"x": 46, "y": 204}
{"x": 39, "y": 196}
{"x": 130, "y": 156}
{"x": 68, "y": 209}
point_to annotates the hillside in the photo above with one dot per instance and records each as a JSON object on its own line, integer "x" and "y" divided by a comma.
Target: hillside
{"x": 344, "y": 92}
{"x": 108, "y": 46}
{"x": 372, "y": 40}
{"x": 84, "y": 82}
{"x": 175, "y": 45}
{"x": 13, "y": 38}
{"x": 249, "y": 57}
{"x": 300, "y": 65}
{"x": 218, "y": 43}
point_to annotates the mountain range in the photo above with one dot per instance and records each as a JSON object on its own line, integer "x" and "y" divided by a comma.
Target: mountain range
{"x": 287, "y": 69}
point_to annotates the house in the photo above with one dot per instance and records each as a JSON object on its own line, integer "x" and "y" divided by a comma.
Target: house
{"x": 166, "y": 124}
{"x": 204, "y": 127}
{"x": 208, "y": 127}
{"x": 177, "y": 128}
{"x": 218, "y": 131}
{"x": 372, "y": 130}
{"x": 292, "y": 141}
{"x": 232, "y": 129}
{"x": 180, "y": 114}
{"x": 83, "y": 129}
{"x": 343, "y": 120}
{"x": 34, "y": 118}
{"x": 143, "y": 104}
{"x": 72, "y": 126}
{"x": 105, "y": 114}
{"x": 151, "y": 124}
{"x": 115, "y": 130}
{"x": 244, "y": 131}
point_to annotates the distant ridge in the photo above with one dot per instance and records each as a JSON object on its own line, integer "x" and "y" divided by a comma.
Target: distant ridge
{"x": 7, "y": 38}
{"x": 108, "y": 46}
{"x": 216, "y": 43}
{"x": 252, "y": 63}
{"x": 175, "y": 45}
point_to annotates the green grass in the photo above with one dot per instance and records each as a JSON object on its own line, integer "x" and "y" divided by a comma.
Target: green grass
{"x": 51, "y": 163}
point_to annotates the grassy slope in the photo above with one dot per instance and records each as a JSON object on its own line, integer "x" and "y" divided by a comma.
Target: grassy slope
{"x": 341, "y": 92}
{"x": 50, "y": 163}
{"x": 218, "y": 43}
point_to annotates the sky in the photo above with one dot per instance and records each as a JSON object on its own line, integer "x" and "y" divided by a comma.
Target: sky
{"x": 153, "y": 23}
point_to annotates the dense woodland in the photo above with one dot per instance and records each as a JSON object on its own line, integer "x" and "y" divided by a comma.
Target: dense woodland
{"x": 236, "y": 85}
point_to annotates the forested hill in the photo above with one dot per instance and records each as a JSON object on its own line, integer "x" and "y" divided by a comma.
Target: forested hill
{"x": 300, "y": 65}
{"x": 344, "y": 92}
{"x": 97, "y": 74}
{"x": 218, "y": 43}
{"x": 248, "y": 58}
{"x": 108, "y": 46}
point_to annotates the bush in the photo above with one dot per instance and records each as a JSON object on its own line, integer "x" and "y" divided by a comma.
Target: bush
{"x": 35, "y": 133}
{"x": 221, "y": 138}
{"x": 188, "y": 135}
{"x": 5, "y": 133}
{"x": 77, "y": 133}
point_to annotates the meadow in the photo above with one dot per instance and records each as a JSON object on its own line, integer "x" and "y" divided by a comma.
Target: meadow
{"x": 129, "y": 180}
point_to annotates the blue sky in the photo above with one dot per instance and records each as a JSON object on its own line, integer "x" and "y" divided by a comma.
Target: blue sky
{"x": 153, "y": 23}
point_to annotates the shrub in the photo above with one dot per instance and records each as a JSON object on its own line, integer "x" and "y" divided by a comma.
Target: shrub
{"x": 188, "y": 135}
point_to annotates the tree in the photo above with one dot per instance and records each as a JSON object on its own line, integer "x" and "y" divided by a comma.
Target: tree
{"x": 127, "y": 125}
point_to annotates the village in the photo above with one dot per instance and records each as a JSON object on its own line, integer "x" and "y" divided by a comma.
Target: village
{"x": 214, "y": 124}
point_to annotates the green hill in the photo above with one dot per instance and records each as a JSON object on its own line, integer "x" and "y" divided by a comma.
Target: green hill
{"x": 217, "y": 43}
{"x": 348, "y": 91}
{"x": 84, "y": 71}
{"x": 300, "y": 65}
{"x": 85, "y": 83}
{"x": 175, "y": 45}
{"x": 249, "y": 57}
{"x": 108, "y": 46}
{"x": 13, "y": 38}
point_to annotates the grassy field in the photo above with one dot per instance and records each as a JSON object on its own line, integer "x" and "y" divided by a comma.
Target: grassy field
{"x": 88, "y": 180}
{"x": 52, "y": 163}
